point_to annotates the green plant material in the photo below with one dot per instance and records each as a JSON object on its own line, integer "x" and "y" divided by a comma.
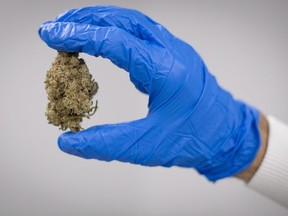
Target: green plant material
{"x": 70, "y": 90}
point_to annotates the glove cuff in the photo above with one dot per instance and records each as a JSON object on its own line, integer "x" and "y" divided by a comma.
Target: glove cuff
{"x": 246, "y": 141}
{"x": 232, "y": 135}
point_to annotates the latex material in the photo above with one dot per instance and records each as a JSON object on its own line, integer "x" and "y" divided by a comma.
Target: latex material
{"x": 192, "y": 122}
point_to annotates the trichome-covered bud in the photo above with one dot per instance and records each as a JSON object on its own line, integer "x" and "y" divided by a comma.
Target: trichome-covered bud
{"x": 70, "y": 90}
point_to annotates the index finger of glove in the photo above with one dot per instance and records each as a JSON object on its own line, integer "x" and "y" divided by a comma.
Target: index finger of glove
{"x": 123, "y": 49}
{"x": 109, "y": 42}
{"x": 129, "y": 20}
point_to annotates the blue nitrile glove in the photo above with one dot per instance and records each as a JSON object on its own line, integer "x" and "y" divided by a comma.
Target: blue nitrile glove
{"x": 192, "y": 121}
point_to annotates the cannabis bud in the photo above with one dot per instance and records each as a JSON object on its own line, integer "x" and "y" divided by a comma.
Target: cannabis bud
{"x": 70, "y": 90}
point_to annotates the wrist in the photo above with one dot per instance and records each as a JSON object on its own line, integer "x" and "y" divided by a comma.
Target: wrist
{"x": 247, "y": 174}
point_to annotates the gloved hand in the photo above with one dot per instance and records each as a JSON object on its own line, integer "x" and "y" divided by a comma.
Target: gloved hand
{"x": 192, "y": 121}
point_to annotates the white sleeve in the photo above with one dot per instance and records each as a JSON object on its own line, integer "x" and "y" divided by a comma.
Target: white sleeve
{"x": 271, "y": 179}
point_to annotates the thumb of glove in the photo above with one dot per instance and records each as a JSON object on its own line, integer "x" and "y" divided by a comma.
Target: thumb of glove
{"x": 123, "y": 142}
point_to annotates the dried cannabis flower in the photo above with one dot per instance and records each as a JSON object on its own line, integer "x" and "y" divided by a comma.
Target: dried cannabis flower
{"x": 70, "y": 90}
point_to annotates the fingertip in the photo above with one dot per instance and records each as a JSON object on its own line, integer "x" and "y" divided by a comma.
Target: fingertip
{"x": 61, "y": 36}
{"x": 75, "y": 144}
{"x": 63, "y": 141}
{"x": 71, "y": 37}
{"x": 42, "y": 29}
{"x": 71, "y": 143}
{"x": 49, "y": 32}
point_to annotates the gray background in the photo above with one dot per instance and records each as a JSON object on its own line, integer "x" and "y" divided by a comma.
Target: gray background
{"x": 244, "y": 43}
